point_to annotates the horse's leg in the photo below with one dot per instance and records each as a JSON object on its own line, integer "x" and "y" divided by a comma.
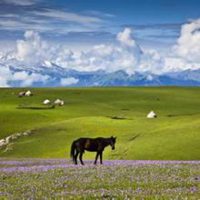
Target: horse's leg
{"x": 80, "y": 158}
{"x": 97, "y": 155}
{"x": 75, "y": 158}
{"x": 101, "y": 156}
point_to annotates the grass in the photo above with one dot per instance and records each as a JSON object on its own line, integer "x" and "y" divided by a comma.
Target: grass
{"x": 174, "y": 135}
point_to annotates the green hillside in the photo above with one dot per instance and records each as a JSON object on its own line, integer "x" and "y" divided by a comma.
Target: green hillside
{"x": 92, "y": 112}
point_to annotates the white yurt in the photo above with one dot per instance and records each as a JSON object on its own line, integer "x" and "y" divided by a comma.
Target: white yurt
{"x": 46, "y": 102}
{"x": 62, "y": 103}
{"x": 28, "y": 93}
{"x": 59, "y": 102}
{"x": 151, "y": 115}
{"x": 21, "y": 94}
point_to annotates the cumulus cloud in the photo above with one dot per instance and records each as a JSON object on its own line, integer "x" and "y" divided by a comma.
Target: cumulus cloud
{"x": 152, "y": 61}
{"x": 187, "y": 45}
{"x": 185, "y": 54}
{"x": 31, "y": 50}
{"x": 107, "y": 57}
{"x": 68, "y": 81}
{"x": 123, "y": 54}
{"x": 5, "y": 76}
{"x": 125, "y": 37}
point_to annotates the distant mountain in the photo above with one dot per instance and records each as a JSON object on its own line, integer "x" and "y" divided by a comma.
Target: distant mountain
{"x": 118, "y": 78}
{"x": 192, "y": 75}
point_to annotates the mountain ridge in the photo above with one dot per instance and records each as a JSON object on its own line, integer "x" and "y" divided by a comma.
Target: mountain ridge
{"x": 56, "y": 73}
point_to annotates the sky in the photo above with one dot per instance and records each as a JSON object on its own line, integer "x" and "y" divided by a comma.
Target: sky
{"x": 155, "y": 22}
{"x": 134, "y": 35}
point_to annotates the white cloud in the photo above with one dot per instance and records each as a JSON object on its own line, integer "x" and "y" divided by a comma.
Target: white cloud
{"x": 5, "y": 76}
{"x": 28, "y": 79}
{"x": 25, "y": 79}
{"x": 101, "y": 57}
{"x": 67, "y": 16}
{"x": 151, "y": 61}
{"x": 188, "y": 44}
{"x": 125, "y": 37}
{"x": 13, "y": 24}
{"x": 41, "y": 20}
{"x": 68, "y": 81}
{"x": 123, "y": 54}
{"x": 20, "y": 2}
{"x": 107, "y": 57}
{"x": 185, "y": 54}
{"x": 32, "y": 50}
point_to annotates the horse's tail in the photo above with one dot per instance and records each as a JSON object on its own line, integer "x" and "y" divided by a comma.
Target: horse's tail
{"x": 73, "y": 149}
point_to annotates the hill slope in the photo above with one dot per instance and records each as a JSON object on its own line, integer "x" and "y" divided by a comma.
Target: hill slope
{"x": 175, "y": 134}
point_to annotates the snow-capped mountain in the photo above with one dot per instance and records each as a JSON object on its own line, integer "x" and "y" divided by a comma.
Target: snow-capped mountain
{"x": 55, "y": 75}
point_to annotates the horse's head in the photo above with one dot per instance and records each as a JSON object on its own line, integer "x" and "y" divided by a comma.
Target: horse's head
{"x": 112, "y": 142}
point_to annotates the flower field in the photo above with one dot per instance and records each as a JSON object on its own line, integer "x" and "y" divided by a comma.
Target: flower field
{"x": 118, "y": 179}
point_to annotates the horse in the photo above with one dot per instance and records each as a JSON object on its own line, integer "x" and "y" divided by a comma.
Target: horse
{"x": 98, "y": 145}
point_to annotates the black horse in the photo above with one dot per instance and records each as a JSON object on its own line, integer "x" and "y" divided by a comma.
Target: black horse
{"x": 90, "y": 144}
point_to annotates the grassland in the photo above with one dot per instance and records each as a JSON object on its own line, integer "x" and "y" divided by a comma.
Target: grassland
{"x": 174, "y": 135}
{"x": 58, "y": 179}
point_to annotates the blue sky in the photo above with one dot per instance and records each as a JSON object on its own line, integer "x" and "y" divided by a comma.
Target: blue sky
{"x": 155, "y": 22}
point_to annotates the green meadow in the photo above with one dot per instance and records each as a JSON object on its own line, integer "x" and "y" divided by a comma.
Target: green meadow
{"x": 93, "y": 112}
